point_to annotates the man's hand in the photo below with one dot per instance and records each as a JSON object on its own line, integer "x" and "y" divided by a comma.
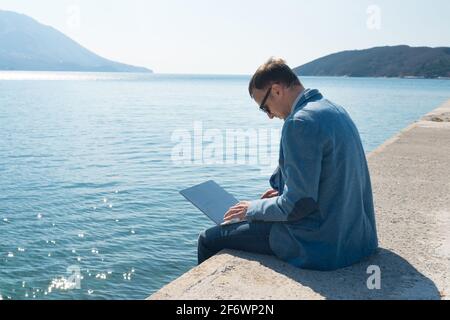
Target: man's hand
{"x": 271, "y": 193}
{"x": 237, "y": 212}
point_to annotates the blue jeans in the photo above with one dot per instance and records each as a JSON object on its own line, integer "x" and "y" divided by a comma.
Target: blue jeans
{"x": 244, "y": 236}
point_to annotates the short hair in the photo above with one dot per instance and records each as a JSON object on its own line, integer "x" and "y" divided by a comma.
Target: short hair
{"x": 275, "y": 70}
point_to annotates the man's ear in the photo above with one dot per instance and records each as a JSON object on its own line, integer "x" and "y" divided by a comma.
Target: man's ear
{"x": 277, "y": 89}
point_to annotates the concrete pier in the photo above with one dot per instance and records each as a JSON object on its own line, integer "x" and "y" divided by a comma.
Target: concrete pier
{"x": 411, "y": 183}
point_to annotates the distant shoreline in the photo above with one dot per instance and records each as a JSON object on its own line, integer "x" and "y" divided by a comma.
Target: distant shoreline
{"x": 107, "y": 73}
{"x": 150, "y": 72}
{"x": 80, "y": 71}
{"x": 355, "y": 77}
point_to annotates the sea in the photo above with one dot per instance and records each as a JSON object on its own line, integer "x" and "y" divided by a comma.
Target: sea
{"x": 91, "y": 165}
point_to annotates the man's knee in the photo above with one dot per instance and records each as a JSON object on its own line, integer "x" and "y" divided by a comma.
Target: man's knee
{"x": 205, "y": 245}
{"x": 206, "y": 237}
{"x": 201, "y": 237}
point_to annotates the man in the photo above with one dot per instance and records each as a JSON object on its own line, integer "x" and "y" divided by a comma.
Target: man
{"x": 319, "y": 213}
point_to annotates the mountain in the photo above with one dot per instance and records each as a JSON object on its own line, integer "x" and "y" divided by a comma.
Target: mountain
{"x": 26, "y": 44}
{"x": 396, "y": 61}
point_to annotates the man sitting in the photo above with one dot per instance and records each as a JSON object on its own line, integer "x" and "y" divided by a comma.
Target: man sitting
{"x": 319, "y": 213}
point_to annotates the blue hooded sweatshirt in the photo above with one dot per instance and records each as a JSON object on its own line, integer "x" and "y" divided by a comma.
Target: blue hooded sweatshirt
{"x": 324, "y": 216}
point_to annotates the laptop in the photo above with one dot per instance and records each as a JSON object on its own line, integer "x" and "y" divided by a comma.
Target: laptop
{"x": 212, "y": 200}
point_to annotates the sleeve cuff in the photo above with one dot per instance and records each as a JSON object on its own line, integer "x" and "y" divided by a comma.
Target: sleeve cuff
{"x": 252, "y": 210}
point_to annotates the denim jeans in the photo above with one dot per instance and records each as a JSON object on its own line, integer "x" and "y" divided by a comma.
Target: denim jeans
{"x": 243, "y": 236}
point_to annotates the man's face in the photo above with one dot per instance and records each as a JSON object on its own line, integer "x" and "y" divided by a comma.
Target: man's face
{"x": 274, "y": 101}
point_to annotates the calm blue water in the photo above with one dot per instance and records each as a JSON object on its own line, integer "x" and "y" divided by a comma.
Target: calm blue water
{"x": 88, "y": 180}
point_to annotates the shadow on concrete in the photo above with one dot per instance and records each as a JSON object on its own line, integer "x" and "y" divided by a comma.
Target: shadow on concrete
{"x": 399, "y": 279}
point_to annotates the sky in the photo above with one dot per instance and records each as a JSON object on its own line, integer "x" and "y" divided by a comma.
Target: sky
{"x": 236, "y": 36}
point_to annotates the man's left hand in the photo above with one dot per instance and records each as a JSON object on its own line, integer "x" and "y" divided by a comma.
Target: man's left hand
{"x": 237, "y": 212}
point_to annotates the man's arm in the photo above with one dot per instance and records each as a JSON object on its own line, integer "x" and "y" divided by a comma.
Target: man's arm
{"x": 276, "y": 180}
{"x": 302, "y": 148}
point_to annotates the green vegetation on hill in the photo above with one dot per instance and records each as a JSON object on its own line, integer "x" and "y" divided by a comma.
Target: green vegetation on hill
{"x": 397, "y": 61}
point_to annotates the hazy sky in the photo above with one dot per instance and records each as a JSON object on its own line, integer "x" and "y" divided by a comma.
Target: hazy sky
{"x": 235, "y": 37}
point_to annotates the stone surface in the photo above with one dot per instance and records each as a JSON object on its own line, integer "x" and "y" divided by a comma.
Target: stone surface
{"x": 411, "y": 184}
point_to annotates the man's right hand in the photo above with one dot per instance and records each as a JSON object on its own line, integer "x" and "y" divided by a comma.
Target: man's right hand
{"x": 271, "y": 193}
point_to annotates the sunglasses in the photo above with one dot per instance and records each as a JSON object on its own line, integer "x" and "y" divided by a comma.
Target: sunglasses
{"x": 263, "y": 106}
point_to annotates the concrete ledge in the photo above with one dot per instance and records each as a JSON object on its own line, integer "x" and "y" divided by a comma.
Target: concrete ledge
{"x": 411, "y": 182}
{"x": 240, "y": 275}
